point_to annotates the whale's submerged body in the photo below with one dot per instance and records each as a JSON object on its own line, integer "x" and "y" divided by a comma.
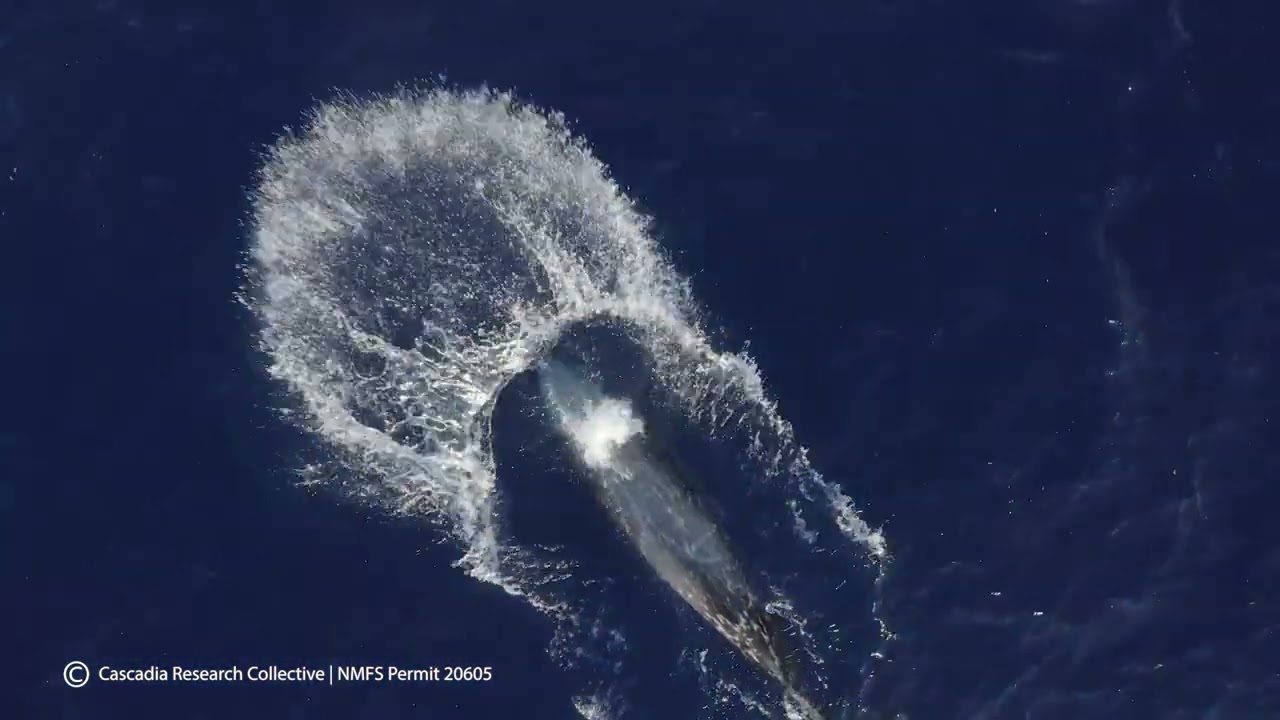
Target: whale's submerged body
{"x": 677, "y": 539}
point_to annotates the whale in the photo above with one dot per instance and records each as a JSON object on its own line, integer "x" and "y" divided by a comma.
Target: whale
{"x": 653, "y": 507}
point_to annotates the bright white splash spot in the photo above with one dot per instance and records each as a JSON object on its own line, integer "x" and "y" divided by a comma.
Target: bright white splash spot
{"x": 605, "y": 427}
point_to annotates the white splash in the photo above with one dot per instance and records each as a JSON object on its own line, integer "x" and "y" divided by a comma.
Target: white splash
{"x": 412, "y": 253}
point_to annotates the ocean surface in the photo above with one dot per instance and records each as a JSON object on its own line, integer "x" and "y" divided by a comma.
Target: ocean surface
{"x": 1010, "y": 272}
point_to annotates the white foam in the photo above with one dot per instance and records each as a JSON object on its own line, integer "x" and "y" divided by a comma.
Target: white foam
{"x": 605, "y": 427}
{"x": 414, "y": 252}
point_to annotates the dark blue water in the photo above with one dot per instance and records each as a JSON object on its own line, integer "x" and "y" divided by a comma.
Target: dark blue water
{"x": 1010, "y": 269}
